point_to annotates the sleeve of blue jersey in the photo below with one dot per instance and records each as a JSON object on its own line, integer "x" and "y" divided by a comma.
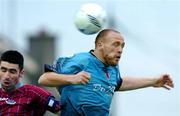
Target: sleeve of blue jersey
{"x": 120, "y": 80}
{"x": 56, "y": 66}
{"x": 48, "y": 68}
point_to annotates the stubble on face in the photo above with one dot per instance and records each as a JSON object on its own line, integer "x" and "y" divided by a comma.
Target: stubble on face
{"x": 112, "y": 50}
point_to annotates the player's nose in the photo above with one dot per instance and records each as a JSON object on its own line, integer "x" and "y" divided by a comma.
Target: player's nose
{"x": 6, "y": 75}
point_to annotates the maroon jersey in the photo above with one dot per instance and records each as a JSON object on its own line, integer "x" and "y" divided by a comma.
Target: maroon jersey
{"x": 28, "y": 100}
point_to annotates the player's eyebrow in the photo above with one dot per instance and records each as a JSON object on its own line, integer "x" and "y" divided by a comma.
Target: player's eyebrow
{"x": 8, "y": 69}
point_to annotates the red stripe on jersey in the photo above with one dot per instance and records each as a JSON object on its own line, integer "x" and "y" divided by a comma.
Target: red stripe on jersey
{"x": 107, "y": 75}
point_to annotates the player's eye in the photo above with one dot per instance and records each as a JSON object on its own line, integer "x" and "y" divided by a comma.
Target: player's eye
{"x": 116, "y": 44}
{"x": 13, "y": 71}
{"x": 3, "y": 69}
{"x": 122, "y": 45}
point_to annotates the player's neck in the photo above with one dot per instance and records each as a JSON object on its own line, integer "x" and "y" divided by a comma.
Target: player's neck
{"x": 11, "y": 89}
{"x": 8, "y": 90}
{"x": 98, "y": 55}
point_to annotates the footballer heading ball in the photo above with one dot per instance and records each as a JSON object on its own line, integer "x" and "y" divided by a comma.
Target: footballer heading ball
{"x": 90, "y": 18}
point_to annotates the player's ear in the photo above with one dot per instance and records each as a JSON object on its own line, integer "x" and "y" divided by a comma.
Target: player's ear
{"x": 100, "y": 43}
{"x": 21, "y": 73}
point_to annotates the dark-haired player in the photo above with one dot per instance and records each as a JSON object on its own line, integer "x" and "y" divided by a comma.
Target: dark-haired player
{"x": 17, "y": 99}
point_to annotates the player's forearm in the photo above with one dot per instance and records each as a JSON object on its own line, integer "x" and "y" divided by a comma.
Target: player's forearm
{"x": 52, "y": 79}
{"x": 136, "y": 83}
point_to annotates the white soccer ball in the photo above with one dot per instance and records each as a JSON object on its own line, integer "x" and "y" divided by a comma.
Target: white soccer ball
{"x": 90, "y": 19}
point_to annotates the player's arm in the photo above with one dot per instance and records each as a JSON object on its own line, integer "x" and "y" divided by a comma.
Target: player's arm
{"x": 42, "y": 99}
{"x": 53, "y": 105}
{"x": 130, "y": 83}
{"x": 54, "y": 79}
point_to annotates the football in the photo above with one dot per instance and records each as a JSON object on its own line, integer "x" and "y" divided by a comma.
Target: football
{"x": 90, "y": 18}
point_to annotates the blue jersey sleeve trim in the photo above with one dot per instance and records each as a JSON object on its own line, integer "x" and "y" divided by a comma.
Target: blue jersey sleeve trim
{"x": 48, "y": 68}
{"x": 119, "y": 84}
{"x": 120, "y": 81}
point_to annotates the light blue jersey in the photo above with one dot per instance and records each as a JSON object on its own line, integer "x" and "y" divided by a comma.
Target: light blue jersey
{"x": 94, "y": 97}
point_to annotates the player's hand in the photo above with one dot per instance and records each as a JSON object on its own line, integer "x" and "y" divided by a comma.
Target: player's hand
{"x": 81, "y": 78}
{"x": 164, "y": 81}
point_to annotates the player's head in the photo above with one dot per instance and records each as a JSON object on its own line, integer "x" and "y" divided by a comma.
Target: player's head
{"x": 11, "y": 69}
{"x": 109, "y": 43}
{"x": 13, "y": 56}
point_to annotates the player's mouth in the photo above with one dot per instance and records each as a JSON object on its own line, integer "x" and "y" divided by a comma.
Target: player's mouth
{"x": 118, "y": 57}
{"x": 6, "y": 83}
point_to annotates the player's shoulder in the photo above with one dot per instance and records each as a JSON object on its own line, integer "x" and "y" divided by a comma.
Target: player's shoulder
{"x": 31, "y": 87}
{"x": 82, "y": 58}
{"x": 77, "y": 57}
{"x": 34, "y": 89}
{"x": 82, "y": 55}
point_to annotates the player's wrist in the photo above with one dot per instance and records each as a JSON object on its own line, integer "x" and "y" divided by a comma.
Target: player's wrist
{"x": 154, "y": 82}
{"x": 70, "y": 79}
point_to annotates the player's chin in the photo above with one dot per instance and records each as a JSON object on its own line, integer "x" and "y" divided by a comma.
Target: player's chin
{"x": 115, "y": 62}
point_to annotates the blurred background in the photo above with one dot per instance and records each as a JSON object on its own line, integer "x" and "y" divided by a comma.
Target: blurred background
{"x": 44, "y": 30}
